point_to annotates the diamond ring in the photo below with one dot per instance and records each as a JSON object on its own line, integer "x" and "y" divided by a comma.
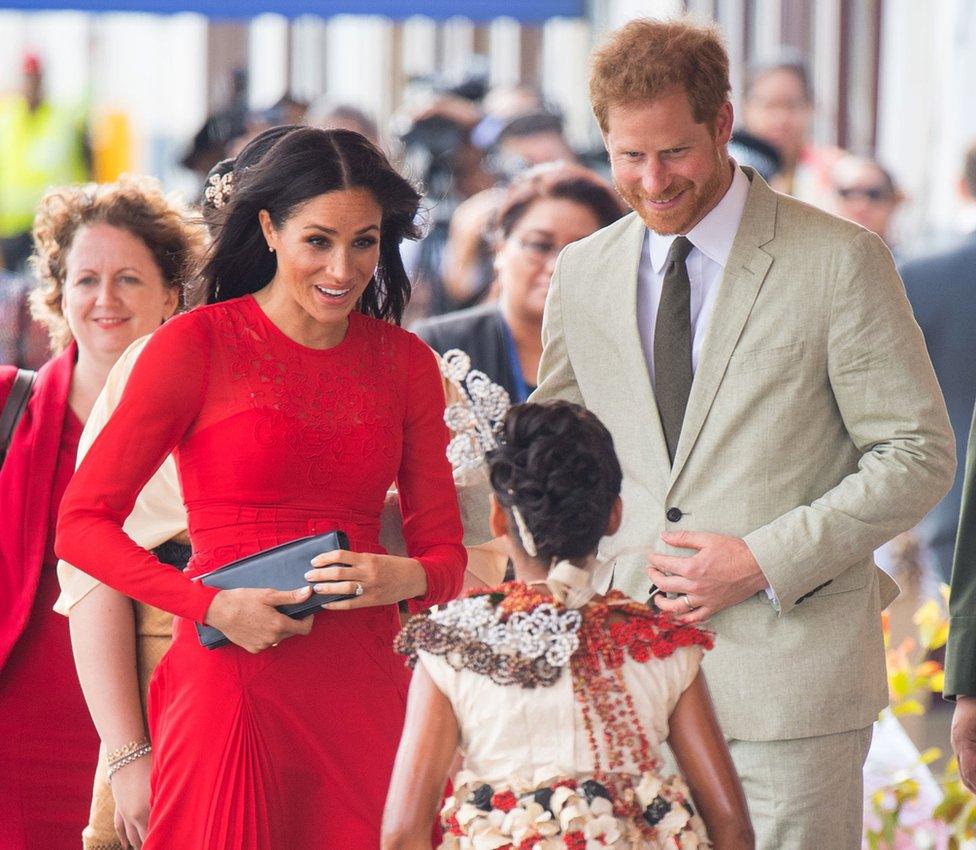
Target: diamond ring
{"x": 688, "y": 604}
{"x": 359, "y": 589}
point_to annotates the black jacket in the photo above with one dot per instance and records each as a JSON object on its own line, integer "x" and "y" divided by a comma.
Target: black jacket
{"x": 942, "y": 290}
{"x": 479, "y": 332}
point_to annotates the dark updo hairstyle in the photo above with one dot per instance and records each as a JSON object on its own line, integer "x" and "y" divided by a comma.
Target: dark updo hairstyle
{"x": 557, "y": 180}
{"x": 555, "y": 462}
{"x": 304, "y": 164}
{"x": 249, "y": 156}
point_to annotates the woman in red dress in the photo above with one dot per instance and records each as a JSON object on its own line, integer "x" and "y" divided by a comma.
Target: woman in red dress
{"x": 293, "y": 401}
{"x": 111, "y": 261}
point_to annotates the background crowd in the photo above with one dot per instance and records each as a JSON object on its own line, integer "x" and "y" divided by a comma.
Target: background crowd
{"x": 465, "y": 144}
{"x": 505, "y": 190}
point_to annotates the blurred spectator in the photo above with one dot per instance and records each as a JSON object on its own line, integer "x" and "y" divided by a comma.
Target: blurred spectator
{"x": 329, "y": 115}
{"x": 213, "y": 140}
{"x": 757, "y": 153}
{"x": 467, "y": 269}
{"x": 778, "y": 107}
{"x": 507, "y": 101}
{"x": 286, "y": 110}
{"x": 522, "y": 141}
{"x": 942, "y": 289}
{"x": 437, "y": 149}
{"x": 967, "y": 192}
{"x": 865, "y": 192}
{"x": 528, "y": 139}
{"x": 23, "y": 342}
{"x": 41, "y": 144}
{"x": 542, "y": 212}
{"x": 501, "y": 104}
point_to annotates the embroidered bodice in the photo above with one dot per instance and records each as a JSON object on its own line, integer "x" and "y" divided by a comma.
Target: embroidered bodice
{"x": 562, "y": 714}
{"x": 507, "y": 659}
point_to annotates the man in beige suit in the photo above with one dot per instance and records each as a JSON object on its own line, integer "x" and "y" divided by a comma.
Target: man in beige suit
{"x": 776, "y": 416}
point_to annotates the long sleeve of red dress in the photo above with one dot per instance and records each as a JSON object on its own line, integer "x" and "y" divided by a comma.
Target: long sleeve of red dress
{"x": 158, "y": 406}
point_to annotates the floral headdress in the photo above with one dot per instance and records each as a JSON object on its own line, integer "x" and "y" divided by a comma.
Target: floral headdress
{"x": 476, "y": 419}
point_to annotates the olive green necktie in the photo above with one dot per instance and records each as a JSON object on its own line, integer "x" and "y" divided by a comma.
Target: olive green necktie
{"x": 672, "y": 344}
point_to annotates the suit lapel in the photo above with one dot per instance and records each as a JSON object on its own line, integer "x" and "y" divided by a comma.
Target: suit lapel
{"x": 744, "y": 275}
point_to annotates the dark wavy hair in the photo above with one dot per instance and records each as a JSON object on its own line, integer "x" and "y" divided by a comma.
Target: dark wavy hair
{"x": 249, "y": 156}
{"x": 556, "y": 463}
{"x": 301, "y": 165}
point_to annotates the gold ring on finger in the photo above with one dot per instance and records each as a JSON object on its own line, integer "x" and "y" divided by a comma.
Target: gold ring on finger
{"x": 688, "y": 604}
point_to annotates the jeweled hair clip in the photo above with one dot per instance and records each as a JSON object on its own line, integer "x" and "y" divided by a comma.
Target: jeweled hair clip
{"x": 218, "y": 190}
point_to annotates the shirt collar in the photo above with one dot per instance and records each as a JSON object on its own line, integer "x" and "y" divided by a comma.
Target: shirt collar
{"x": 715, "y": 233}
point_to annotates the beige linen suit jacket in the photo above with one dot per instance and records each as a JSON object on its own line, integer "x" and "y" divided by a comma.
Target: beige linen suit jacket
{"x": 815, "y": 430}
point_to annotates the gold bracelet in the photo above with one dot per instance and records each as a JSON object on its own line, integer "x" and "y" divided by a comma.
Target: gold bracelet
{"x": 115, "y": 766}
{"x": 122, "y": 752}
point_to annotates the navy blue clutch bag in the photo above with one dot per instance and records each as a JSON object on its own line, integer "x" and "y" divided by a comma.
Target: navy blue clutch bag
{"x": 280, "y": 568}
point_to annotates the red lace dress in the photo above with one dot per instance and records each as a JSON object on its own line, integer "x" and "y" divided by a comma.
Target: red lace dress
{"x": 292, "y": 747}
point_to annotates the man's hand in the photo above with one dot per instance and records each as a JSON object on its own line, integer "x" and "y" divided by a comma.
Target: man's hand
{"x": 722, "y": 573}
{"x": 964, "y": 739}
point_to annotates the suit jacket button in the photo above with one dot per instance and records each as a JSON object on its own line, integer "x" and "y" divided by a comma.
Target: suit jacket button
{"x": 674, "y": 515}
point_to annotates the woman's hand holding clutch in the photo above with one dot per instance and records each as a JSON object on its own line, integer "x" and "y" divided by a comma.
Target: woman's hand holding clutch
{"x": 248, "y": 617}
{"x": 372, "y": 579}
{"x": 130, "y": 789}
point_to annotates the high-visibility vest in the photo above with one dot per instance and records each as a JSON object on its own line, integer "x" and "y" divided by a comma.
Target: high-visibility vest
{"x": 38, "y": 150}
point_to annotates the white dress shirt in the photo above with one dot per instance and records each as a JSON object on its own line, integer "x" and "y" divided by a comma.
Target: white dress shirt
{"x": 712, "y": 238}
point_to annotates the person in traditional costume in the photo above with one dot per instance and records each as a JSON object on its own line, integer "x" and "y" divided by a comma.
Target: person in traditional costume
{"x": 560, "y": 698}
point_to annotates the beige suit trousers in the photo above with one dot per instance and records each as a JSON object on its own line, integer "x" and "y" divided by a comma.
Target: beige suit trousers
{"x": 805, "y": 793}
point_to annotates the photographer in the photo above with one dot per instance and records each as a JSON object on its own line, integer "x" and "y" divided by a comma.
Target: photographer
{"x": 437, "y": 149}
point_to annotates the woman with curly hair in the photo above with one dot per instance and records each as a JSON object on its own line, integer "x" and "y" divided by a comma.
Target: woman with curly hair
{"x": 112, "y": 261}
{"x": 560, "y": 697}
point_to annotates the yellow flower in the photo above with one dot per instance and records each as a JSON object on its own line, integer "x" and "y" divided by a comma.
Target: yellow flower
{"x": 933, "y": 627}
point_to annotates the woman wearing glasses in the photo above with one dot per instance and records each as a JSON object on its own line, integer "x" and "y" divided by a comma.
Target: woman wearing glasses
{"x": 542, "y": 211}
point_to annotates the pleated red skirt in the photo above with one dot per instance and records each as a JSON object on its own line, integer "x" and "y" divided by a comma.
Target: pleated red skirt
{"x": 290, "y": 748}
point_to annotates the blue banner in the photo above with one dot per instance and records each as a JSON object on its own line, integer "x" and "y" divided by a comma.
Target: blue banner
{"x": 527, "y": 11}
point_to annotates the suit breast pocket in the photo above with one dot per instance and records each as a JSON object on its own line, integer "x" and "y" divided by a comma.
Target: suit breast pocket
{"x": 755, "y": 359}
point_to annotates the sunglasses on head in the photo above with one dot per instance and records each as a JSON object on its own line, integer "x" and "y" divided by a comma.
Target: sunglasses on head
{"x": 870, "y": 193}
